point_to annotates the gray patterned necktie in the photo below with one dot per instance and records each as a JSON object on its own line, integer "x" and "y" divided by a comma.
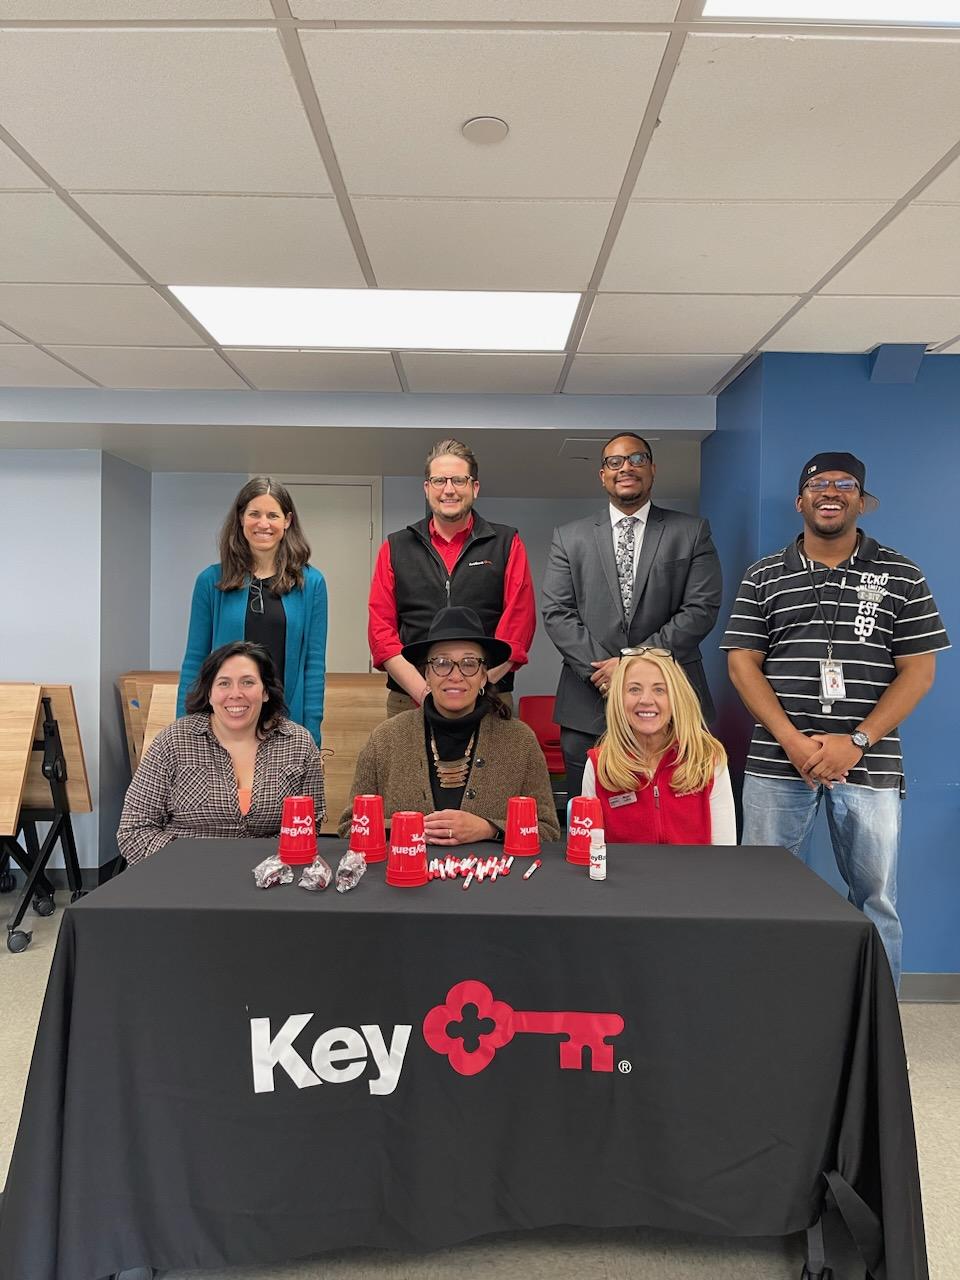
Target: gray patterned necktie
{"x": 626, "y": 535}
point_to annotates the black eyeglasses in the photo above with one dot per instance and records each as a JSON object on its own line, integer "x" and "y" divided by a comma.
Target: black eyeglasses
{"x": 467, "y": 666}
{"x": 614, "y": 461}
{"x": 841, "y": 486}
{"x": 440, "y": 482}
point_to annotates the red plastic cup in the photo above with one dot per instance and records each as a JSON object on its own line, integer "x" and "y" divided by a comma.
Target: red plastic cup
{"x": 585, "y": 815}
{"x": 407, "y": 860}
{"x": 298, "y": 831}
{"x": 522, "y": 837}
{"x": 367, "y": 832}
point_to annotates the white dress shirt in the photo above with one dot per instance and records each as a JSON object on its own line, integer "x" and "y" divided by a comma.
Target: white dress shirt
{"x": 638, "y": 530}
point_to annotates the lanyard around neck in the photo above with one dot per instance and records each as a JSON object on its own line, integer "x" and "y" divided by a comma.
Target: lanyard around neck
{"x": 830, "y": 627}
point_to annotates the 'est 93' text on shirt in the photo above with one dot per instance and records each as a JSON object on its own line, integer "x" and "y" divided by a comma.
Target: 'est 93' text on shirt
{"x": 884, "y": 610}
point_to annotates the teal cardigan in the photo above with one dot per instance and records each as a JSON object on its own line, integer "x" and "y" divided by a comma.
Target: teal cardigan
{"x": 218, "y": 617}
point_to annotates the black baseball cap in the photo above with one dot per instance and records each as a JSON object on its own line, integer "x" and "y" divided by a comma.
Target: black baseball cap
{"x": 839, "y": 462}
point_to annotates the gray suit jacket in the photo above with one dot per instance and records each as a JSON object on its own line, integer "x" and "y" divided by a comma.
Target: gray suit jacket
{"x": 676, "y": 598}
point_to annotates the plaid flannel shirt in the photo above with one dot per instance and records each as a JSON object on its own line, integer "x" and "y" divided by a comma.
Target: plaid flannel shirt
{"x": 186, "y": 786}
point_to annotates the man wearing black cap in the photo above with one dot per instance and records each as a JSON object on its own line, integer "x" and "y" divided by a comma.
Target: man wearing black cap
{"x": 832, "y": 643}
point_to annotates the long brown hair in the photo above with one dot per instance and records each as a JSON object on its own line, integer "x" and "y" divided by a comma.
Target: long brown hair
{"x": 236, "y": 558}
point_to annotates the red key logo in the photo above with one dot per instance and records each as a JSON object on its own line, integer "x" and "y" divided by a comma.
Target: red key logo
{"x": 496, "y": 1025}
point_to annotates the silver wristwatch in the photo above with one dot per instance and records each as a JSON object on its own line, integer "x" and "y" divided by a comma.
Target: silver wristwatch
{"x": 860, "y": 740}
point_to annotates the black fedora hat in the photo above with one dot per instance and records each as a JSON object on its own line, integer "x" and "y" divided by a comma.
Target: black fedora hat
{"x": 456, "y": 623}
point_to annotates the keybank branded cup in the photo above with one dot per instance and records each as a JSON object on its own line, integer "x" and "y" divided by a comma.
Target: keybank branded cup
{"x": 522, "y": 837}
{"x": 407, "y": 861}
{"x": 585, "y": 815}
{"x": 298, "y": 831}
{"x": 367, "y": 832}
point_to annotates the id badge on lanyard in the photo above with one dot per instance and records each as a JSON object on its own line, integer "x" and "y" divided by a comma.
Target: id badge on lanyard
{"x": 832, "y": 687}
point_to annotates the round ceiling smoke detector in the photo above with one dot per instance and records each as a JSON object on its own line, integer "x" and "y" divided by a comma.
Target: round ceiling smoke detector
{"x": 485, "y": 129}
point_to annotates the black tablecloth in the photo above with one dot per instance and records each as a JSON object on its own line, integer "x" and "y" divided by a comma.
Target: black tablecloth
{"x": 163, "y": 1124}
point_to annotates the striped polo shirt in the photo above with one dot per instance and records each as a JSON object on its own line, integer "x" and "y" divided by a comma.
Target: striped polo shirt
{"x": 884, "y": 611}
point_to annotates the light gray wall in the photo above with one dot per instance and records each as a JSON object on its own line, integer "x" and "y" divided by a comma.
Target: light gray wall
{"x": 187, "y": 510}
{"x": 50, "y": 624}
{"x": 125, "y": 623}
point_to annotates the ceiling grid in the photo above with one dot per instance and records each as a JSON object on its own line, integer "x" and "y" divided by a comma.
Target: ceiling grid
{"x": 712, "y": 189}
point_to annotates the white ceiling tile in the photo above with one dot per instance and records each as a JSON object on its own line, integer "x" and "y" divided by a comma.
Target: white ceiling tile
{"x": 787, "y": 117}
{"x": 159, "y": 110}
{"x": 946, "y": 188}
{"x": 93, "y": 314}
{"x": 15, "y": 174}
{"x": 141, "y": 10}
{"x": 7, "y": 337}
{"x": 168, "y": 367}
{"x": 680, "y": 323}
{"x": 482, "y": 244}
{"x": 916, "y": 254}
{"x": 487, "y": 10}
{"x": 860, "y": 324}
{"x": 773, "y": 247}
{"x": 395, "y": 101}
{"x": 317, "y": 370}
{"x": 27, "y": 367}
{"x": 531, "y": 373}
{"x": 646, "y": 375}
{"x": 44, "y": 240}
{"x": 232, "y": 240}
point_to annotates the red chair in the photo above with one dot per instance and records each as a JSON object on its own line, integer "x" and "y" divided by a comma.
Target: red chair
{"x": 537, "y": 712}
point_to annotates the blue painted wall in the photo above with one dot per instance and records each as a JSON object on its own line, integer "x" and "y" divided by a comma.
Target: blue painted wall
{"x": 778, "y": 413}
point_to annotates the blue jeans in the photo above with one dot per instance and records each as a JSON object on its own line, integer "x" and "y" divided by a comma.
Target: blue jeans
{"x": 864, "y": 831}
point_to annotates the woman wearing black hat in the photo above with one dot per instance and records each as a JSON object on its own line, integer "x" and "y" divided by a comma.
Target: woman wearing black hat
{"x": 460, "y": 757}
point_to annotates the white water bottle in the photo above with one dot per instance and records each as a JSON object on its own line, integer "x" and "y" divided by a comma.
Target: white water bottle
{"x": 598, "y": 855}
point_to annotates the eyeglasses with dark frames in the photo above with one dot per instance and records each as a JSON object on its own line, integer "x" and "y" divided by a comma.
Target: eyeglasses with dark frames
{"x": 440, "y": 482}
{"x": 614, "y": 461}
{"x": 841, "y": 486}
{"x": 467, "y": 666}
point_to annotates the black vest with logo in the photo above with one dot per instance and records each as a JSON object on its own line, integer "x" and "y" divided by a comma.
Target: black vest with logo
{"x": 422, "y": 585}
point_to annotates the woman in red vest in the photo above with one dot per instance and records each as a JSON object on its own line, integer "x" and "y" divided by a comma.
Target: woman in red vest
{"x": 661, "y": 777}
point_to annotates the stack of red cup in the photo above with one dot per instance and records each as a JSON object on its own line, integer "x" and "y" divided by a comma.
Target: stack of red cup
{"x": 407, "y": 860}
{"x": 585, "y": 816}
{"x": 298, "y": 831}
{"x": 367, "y": 832}
{"x": 522, "y": 836}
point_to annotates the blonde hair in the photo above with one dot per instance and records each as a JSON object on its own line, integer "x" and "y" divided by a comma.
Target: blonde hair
{"x": 620, "y": 758}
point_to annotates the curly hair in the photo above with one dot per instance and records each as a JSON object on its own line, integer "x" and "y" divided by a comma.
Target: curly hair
{"x": 275, "y": 707}
{"x": 236, "y": 558}
{"x": 620, "y": 757}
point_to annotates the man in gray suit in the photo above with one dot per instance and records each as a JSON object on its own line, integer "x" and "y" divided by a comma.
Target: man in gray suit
{"x": 634, "y": 574}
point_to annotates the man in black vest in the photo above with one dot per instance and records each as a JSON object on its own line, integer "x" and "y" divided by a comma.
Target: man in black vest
{"x": 453, "y": 558}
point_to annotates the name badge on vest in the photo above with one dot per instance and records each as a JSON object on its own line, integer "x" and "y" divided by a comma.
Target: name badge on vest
{"x": 625, "y": 797}
{"x": 832, "y": 688}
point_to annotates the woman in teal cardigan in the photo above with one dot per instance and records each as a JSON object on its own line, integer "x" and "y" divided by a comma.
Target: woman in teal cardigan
{"x": 264, "y": 590}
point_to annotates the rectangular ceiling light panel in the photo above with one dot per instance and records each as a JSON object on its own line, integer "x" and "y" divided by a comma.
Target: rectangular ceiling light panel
{"x": 915, "y": 12}
{"x": 382, "y": 319}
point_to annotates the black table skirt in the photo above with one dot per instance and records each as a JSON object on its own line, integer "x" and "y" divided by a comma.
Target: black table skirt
{"x": 760, "y": 1059}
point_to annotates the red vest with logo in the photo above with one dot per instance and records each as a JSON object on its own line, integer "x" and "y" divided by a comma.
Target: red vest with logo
{"x": 659, "y": 815}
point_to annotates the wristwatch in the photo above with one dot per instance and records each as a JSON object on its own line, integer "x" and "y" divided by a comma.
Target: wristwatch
{"x": 860, "y": 740}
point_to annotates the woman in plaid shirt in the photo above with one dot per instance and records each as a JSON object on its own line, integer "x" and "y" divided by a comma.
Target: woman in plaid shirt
{"x": 223, "y": 769}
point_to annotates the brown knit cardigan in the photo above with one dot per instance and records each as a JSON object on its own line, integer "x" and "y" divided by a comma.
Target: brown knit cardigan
{"x": 507, "y": 761}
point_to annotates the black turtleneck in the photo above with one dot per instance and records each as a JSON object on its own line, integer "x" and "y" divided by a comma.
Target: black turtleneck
{"x": 451, "y": 735}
